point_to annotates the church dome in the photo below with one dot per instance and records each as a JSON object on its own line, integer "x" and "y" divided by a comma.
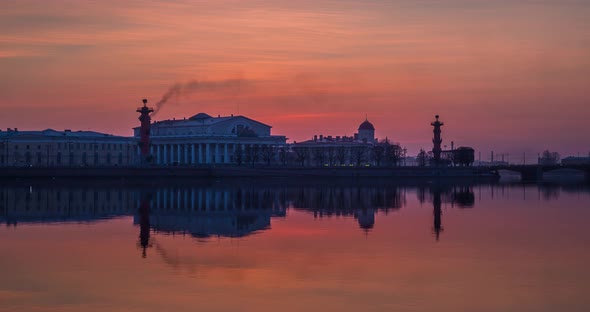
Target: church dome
{"x": 366, "y": 125}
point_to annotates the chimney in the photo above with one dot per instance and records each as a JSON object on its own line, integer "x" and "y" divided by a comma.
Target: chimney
{"x": 321, "y": 137}
{"x": 315, "y": 137}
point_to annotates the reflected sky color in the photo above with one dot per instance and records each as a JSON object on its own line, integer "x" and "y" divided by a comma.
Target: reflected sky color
{"x": 502, "y": 248}
{"x": 505, "y": 75}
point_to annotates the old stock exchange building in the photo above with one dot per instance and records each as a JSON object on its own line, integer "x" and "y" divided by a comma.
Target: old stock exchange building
{"x": 203, "y": 139}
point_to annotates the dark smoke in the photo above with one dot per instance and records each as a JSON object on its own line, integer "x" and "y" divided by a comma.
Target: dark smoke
{"x": 232, "y": 86}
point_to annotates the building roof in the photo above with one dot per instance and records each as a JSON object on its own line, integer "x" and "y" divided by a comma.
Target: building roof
{"x": 203, "y": 119}
{"x": 366, "y": 125}
{"x": 55, "y": 133}
{"x": 200, "y": 116}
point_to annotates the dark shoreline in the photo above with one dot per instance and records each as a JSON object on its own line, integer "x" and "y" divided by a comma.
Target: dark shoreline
{"x": 151, "y": 175}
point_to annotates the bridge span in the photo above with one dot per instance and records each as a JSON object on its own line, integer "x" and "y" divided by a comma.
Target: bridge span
{"x": 536, "y": 172}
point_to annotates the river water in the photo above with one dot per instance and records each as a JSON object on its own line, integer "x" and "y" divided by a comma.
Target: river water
{"x": 294, "y": 246}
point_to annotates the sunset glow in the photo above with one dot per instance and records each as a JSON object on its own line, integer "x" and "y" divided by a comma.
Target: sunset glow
{"x": 508, "y": 76}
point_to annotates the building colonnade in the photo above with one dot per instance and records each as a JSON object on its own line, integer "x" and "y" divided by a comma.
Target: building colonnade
{"x": 202, "y": 153}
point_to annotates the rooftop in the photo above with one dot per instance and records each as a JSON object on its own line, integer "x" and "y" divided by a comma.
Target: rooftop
{"x": 202, "y": 119}
{"x": 54, "y": 133}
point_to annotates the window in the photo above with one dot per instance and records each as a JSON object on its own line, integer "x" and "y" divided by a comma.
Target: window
{"x": 39, "y": 158}
{"x": 96, "y": 158}
{"x": 120, "y": 158}
{"x": 38, "y": 147}
{"x": 109, "y": 158}
{"x": 58, "y": 158}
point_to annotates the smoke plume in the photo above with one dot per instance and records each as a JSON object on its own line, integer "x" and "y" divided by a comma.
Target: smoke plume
{"x": 232, "y": 86}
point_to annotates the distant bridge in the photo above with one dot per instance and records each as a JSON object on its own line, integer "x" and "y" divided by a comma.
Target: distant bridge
{"x": 535, "y": 172}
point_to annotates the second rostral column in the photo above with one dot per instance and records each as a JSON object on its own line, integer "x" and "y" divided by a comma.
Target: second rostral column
{"x": 437, "y": 140}
{"x": 144, "y": 132}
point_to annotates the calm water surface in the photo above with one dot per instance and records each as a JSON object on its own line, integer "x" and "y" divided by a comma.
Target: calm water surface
{"x": 274, "y": 246}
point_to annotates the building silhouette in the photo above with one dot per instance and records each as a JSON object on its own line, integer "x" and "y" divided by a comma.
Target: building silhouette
{"x": 360, "y": 149}
{"x": 203, "y": 139}
{"x": 51, "y": 148}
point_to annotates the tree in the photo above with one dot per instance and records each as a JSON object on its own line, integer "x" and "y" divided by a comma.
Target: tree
{"x": 358, "y": 154}
{"x": 341, "y": 153}
{"x": 255, "y": 154}
{"x": 283, "y": 154}
{"x": 394, "y": 154}
{"x": 377, "y": 153}
{"x": 549, "y": 158}
{"x": 252, "y": 154}
{"x": 422, "y": 158}
{"x": 238, "y": 154}
{"x": 302, "y": 154}
{"x": 268, "y": 154}
{"x": 331, "y": 155}
{"x": 318, "y": 155}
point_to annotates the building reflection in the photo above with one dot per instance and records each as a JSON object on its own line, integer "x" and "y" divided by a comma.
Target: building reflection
{"x": 236, "y": 209}
{"x": 51, "y": 204}
{"x": 205, "y": 212}
{"x": 360, "y": 202}
{"x": 226, "y": 210}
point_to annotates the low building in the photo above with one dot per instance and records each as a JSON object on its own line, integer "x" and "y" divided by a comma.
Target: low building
{"x": 49, "y": 147}
{"x": 575, "y": 161}
{"x": 203, "y": 139}
{"x": 361, "y": 149}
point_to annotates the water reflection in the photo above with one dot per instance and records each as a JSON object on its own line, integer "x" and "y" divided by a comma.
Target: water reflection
{"x": 239, "y": 209}
{"x": 63, "y": 203}
{"x": 294, "y": 246}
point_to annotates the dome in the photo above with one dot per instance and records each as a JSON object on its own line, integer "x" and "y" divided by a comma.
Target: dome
{"x": 366, "y": 125}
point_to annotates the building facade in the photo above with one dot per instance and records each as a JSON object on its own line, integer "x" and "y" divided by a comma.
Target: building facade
{"x": 49, "y": 148}
{"x": 203, "y": 139}
{"x": 360, "y": 149}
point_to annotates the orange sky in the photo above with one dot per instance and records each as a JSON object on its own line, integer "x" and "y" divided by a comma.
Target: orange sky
{"x": 511, "y": 76}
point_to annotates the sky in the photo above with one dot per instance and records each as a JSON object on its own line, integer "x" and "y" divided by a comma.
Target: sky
{"x": 511, "y": 77}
